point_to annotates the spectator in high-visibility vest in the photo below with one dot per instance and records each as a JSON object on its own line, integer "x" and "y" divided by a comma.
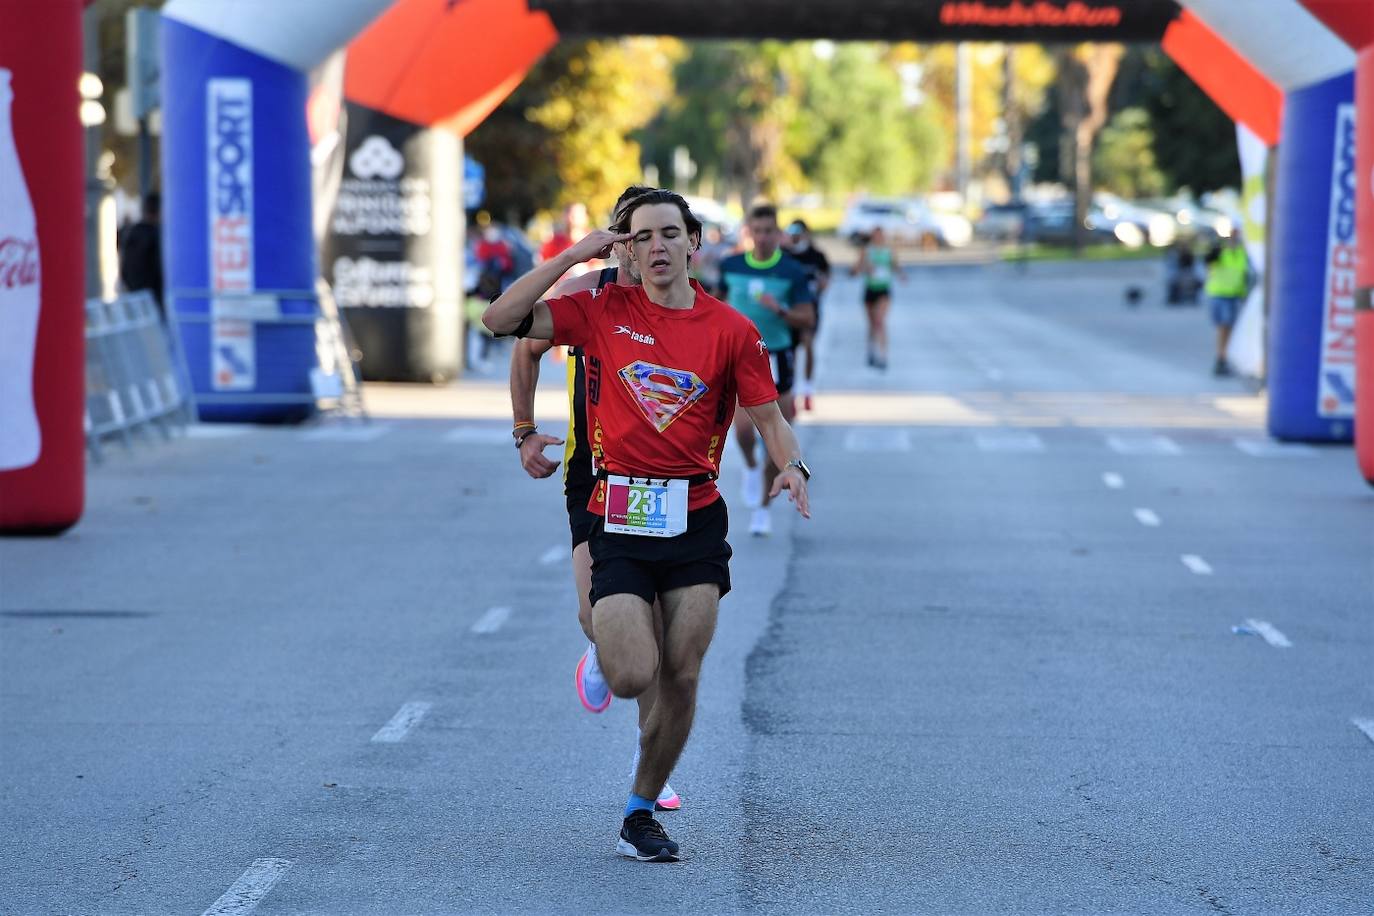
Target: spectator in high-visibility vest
{"x": 1229, "y": 278}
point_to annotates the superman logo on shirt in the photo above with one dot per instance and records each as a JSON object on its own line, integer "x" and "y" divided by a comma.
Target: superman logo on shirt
{"x": 663, "y": 394}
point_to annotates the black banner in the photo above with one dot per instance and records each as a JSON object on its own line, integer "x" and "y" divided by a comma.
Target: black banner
{"x": 392, "y": 248}
{"x": 1043, "y": 21}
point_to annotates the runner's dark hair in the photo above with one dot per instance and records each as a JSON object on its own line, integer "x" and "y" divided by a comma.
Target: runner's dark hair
{"x": 763, "y": 211}
{"x": 627, "y": 195}
{"x": 658, "y": 196}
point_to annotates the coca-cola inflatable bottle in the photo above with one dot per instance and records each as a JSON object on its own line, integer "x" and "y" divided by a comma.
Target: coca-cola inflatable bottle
{"x": 20, "y": 294}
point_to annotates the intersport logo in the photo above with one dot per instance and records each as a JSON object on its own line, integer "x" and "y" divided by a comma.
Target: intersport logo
{"x": 18, "y": 262}
{"x": 1029, "y": 15}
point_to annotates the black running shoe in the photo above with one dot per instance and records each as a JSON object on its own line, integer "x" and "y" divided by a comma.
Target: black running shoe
{"x": 643, "y": 838}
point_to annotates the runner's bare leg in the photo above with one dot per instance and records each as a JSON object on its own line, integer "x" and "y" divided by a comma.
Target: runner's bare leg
{"x": 582, "y": 577}
{"x": 689, "y": 622}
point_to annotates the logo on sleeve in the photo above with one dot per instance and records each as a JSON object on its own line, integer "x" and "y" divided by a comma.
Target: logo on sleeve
{"x": 663, "y": 394}
{"x": 763, "y": 347}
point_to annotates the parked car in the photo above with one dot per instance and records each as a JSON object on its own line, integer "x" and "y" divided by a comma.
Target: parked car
{"x": 1002, "y": 222}
{"x": 1052, "y": 223}
{"x": 1135, "y": 223}
{"x": 863, "y": 216}
{"x": 1194, "y": 221}
{"x": 950, "y": 230}
{"x": 714, "y": 213}
{"x": 904, "y": 222}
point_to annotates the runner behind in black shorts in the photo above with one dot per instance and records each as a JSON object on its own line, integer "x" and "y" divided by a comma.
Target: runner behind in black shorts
{"x": 773, "y": 290}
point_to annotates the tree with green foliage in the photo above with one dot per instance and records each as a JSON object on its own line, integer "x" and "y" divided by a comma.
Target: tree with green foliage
{"x": 1124, "y": 160}
{"x": 768, "y": 118}
{"x": 857, "y": 132}
{"x": 1194, "y": 140}
{"x": 564, "y": 135}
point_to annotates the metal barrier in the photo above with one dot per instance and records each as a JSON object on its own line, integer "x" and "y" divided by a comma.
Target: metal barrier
{"x": 331, "y": 384}
{"x": 132, "y": 384}
{"x": 137, "y": 379}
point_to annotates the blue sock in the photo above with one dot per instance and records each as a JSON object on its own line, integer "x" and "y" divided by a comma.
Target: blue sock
{"x": 638, "y": 804}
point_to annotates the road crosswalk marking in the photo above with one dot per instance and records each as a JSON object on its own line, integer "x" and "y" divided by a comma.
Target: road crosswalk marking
{"x": 1364, "y": 725}
{"x": 247, "y": 892}
{"x": 400, "y": 725}
{"x": 1197, "y": 564}
{"x": 1143, "y": 445}
{"x": 863, "y": 439}
{"x": 554, "y": 554}
{"x": 218, "y": 430}
{"x": 877, "y": 439}
{"x": 473, "y": 434}
{"x": 491, "y": 621}
{"x": 369, "y": 432}
{"x": 1011, "y": 440}
{"x": 1147, "y": 517}
{"x": 1267, "y": 448}
{"x": 1270, "y": 633}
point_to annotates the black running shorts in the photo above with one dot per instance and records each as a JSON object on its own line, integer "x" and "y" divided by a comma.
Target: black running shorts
{"x": 580, "y": 519}
{"x": 873, "y": 294}
{"x": 784, "y": 363}
{"x": 631, "y": 564}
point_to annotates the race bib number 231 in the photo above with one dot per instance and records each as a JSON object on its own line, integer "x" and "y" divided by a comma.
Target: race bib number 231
{"x": 652, "y": 508}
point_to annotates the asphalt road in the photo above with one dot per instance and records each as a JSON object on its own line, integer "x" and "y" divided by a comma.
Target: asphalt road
{"x": 329, "y": 670}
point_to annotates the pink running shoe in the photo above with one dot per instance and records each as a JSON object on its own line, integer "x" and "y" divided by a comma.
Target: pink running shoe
{"x": 592, "y": 688}
{"x": 667, "y": 800}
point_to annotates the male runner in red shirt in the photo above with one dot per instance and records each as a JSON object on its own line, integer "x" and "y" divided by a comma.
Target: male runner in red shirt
{"x": 673, "y": 361}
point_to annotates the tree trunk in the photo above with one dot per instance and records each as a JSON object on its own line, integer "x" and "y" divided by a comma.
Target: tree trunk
{"x": 1086, "y": 73}
{"x": 1011, "y": 118}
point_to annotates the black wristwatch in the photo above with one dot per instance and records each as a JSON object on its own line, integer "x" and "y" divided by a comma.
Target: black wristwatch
{"x": 801, "y": 466}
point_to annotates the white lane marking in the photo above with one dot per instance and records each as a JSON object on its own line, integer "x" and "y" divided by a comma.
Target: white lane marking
{"x": 1009, "y": 441}
{"x": 247, "y": 892}
{"x": 1197, "y": 564}
{"x": 877, "y": 439}
{"x": 217, "y": 430}
{"x": 1270, "y": 633}
{"x": 369, "y": 433}
{"x": 1268, "y": 448}
{"x": 554, "y": 554}
{"x": 1147, "y": 518}
{"x": 1113, "y": 480}
{"x": 1143, "y": 445}
{"x": 472, "y": 434}
{"x": 400, "y": 725}
{"x": 1364, "y": 725}
{"x": 492, "y": 620}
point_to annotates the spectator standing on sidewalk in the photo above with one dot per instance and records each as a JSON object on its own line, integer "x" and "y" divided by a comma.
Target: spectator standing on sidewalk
{"x": 140, "y": 252}
{"x": 1229, "y": 279}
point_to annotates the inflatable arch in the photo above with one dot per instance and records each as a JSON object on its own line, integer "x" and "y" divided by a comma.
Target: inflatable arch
{"x": 237, "y": 187}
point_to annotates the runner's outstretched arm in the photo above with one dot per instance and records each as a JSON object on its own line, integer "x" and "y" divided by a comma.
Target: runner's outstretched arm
{"x": 524, "y": 378}
{"x": 522, "y": 300}
{"x": 782, "y": 446}
{"x": 801, "y": 317}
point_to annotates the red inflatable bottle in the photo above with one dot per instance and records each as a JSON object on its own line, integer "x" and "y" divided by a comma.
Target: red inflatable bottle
{"x": 42, "y": 287}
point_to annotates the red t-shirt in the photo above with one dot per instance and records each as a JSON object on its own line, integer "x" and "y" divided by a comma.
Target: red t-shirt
{"x": 556, "y": 245}
{"x": 662, "y": 383}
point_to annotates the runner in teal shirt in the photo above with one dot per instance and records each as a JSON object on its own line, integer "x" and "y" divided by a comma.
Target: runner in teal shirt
{"x": 877, "y": 263}
{"x": 774, "y": 290}
{"x": 750, "y": 282}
